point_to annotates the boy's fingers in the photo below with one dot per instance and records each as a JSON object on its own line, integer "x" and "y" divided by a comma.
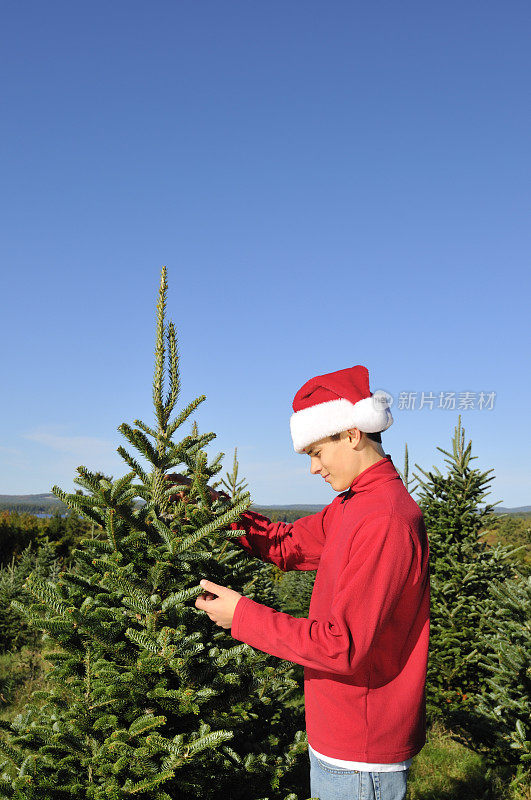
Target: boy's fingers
{"x": 210, "y": 586}
{"x": 202, "y": 597}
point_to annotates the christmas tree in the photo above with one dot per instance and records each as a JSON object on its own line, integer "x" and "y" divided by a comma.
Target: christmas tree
{"x": 462, "y": 570}
{"x": 148, "y": 698}
{"x": 14, "y": 633}
{"x": 506, "y": 648}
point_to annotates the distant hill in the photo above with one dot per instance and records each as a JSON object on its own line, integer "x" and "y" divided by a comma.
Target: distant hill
{"x": 29, "y": 498}
{"x": 32, "y": 503}
{"x": 520, "y": 511}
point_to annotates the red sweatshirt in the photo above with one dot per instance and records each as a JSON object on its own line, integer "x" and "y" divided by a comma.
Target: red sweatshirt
{"x": 364, "y": 645}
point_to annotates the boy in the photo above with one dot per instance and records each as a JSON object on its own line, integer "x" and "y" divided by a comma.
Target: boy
{"x": 364, "y": 646}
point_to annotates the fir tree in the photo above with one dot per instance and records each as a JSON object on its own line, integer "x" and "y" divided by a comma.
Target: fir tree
{"x": 235, "y": 487}
{"x": 14, "y": 632}
{"x": 506, "y": 645}
{"x": 147, "y": 698}
{"x": 405, "y": 474}
{"x": 462, "y": 570}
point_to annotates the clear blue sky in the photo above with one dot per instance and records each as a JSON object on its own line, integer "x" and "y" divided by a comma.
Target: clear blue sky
{"x": 329, "y": 184}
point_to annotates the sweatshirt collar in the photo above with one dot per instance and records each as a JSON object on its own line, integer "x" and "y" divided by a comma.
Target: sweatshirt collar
{"x": 380, "y": 472}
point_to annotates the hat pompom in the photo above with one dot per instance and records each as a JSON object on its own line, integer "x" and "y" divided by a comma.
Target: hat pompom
{"x": 373, "y": 414}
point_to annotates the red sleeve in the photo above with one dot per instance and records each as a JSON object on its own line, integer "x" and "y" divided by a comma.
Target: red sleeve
{"x": 382, "y": 560}
{"x": 291, "y": 546}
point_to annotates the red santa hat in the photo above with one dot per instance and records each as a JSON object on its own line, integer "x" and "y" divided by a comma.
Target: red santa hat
{"x": 336, "y": 402}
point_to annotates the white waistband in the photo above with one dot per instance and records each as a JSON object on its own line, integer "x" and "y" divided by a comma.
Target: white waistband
{"x": 363, "y": 766}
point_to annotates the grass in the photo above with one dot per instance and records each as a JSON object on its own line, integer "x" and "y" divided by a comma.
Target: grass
{"x": 445, "y": 769}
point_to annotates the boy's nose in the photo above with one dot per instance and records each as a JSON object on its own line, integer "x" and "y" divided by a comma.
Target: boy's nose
{"x": 315, "y": 467}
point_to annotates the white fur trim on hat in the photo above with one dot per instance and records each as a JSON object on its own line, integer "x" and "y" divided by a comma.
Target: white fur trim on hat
{"x": 371, "y": 415}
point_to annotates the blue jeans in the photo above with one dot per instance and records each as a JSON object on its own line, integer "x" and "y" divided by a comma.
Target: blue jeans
{"x": 329, "y": 782}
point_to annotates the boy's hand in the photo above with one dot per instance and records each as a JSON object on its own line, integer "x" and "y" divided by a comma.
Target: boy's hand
{"x": 219, "y": 608}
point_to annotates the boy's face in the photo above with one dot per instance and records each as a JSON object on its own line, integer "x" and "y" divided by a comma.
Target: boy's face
{"x": 337, "y": 462}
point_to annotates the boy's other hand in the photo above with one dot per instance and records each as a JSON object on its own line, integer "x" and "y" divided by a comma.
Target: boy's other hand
{"x": 218, "y": 602}
{"x": 177, "y": 478}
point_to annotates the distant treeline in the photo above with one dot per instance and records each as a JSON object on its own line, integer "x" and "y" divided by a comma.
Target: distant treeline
{"x": 50, "y": 508}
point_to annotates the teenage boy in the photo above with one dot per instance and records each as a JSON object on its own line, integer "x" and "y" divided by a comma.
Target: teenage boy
{"x": 364, "y": 645}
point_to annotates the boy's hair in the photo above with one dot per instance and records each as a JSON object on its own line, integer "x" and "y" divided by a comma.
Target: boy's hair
{"x": 374, "y": 437}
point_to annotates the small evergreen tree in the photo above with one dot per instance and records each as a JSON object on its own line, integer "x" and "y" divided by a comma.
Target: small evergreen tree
{"x": 462, "y": 570}
{"x": 14, "y": 632}
{"x": 405, "y": 474}
{"x": 506, "y": 645}
{"x": 148, "y": 699}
